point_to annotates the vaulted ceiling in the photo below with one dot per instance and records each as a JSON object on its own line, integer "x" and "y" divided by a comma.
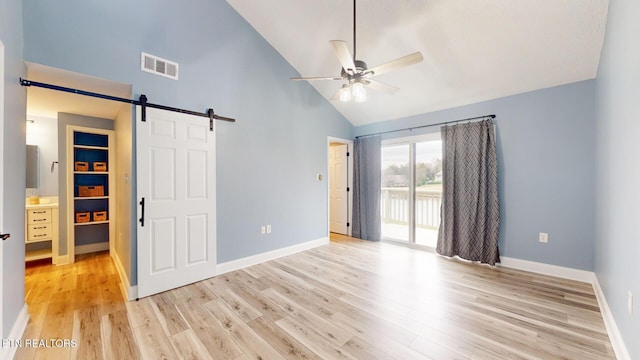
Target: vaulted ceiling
{"x": 474, "y": 50}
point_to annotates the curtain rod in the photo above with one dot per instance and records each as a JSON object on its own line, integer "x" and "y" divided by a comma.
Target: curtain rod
{"x": 492, "y": 116}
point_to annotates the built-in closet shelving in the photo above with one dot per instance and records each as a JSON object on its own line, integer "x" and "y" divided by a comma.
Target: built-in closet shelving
{"x": 91, "y": 189}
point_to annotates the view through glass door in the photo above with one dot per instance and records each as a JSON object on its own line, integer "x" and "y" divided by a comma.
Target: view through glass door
{"x": 428, "y": 191}
{"x": 394, "y": 204}
{"x": 411, "y": 194}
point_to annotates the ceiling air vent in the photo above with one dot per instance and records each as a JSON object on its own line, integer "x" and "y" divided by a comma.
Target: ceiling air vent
{"x": 159, "y": 66}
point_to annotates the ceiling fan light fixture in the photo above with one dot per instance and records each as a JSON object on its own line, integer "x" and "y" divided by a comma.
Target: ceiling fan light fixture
{"x": 356, "y": 72}
{"x": 345, "y": 93}
{"x": 358, "y": 92}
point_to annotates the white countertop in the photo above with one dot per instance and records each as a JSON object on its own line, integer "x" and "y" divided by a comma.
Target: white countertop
{"x": 45, "y": 202}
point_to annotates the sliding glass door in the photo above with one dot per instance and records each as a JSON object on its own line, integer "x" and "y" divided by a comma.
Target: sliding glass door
{"x": 428, "y": 191}
{"x": 412, "y": 189}
{"x": 396, "y": 180}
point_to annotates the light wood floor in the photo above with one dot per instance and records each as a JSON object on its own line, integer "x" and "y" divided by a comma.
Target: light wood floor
{"x": 350, "y": 299}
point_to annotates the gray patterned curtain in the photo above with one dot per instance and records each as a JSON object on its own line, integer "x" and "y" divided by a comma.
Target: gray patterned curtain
{"x": 367, "y": 158}
{"x": 470, "y": 214}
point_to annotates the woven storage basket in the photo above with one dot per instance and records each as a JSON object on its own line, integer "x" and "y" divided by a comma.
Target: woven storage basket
{"x": 100, "y": 166}
{"x": 81, "y": 166}
{"x": 88, "y": 191}
{"x": 100, "y": 215}
{"x": 83, "y": 217}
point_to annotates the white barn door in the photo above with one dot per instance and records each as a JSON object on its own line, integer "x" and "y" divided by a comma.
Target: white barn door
{"x": 176, "y": 184}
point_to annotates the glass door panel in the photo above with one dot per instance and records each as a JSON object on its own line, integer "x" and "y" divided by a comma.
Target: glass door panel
{"x": 428, "y": 191}
{"x": 396, "y": 180}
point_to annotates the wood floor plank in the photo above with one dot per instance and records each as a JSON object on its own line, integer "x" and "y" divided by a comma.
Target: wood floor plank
{"x": 387, "y": 335}
{"x": 321, "y": 325}
{"x": 250, "y": 343}
{"x": 87, "y": 332}
{"x": 350, "y": 299}
{"x": 152, "y": 341}
{"x": 188, "y": 346}
{"x": 217, "y": 342}
{"x": 168, "y": 315}
{"x": 433, "y": 350}
{"x": 313, "y": 339}
{"x": 364, "y": 350}
{"x": 284, "y": 343}
{"x": 252, "y": 296}
{"x": 118, "y": 337}
{"x": 140, "y": 312}
{"x": 244, "y": 310}
{"x": 213, "y": 336}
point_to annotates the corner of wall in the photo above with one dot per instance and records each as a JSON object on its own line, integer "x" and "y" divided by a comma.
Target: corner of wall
{"x": 610, "y": 324}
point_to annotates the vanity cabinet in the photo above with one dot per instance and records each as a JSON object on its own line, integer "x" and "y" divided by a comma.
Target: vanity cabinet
{"x": 41, "y": 233}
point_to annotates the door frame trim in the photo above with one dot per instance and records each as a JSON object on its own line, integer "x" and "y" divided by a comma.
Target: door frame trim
{"x": 70, "y": 215}
{"x": 349, "y": 143}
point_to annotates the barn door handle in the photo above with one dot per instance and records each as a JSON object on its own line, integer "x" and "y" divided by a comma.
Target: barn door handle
{"x": 5, "y": 236}
{"x": 142, "y": 217}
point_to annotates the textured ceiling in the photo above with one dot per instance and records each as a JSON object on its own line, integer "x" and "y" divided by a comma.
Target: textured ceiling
{"x": 474, "y": 50}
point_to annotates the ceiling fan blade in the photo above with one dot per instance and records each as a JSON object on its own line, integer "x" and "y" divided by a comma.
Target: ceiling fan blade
{"x": 343, "y": 54}
{"x": 377, "y": 85}
{"x": 313, "y": 78}
{"x": 396, "y": 64}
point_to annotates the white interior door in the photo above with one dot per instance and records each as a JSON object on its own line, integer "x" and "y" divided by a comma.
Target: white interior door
{"x": 176, "y": 179}
{"x": 338, "y": 194}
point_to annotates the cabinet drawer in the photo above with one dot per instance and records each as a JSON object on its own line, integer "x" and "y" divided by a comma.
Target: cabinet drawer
{"x": 39, "y": 216}
{"x": 37, "y": 232}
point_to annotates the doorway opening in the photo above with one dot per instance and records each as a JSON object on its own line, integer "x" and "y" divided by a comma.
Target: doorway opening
{"x": 339, "y": 185}
{"x": 77, "y": 202}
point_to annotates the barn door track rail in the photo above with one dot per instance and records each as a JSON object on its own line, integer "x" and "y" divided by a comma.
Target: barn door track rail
{"x": 142, "y": 102}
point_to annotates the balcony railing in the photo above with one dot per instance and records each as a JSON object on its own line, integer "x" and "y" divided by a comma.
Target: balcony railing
{"x": 395, "y": 207}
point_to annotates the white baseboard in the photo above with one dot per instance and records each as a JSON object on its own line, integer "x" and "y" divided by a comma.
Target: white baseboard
{"x": 91, "y": 248}
{"x": 610, "y": 323}
{"x": 17, "y": 330}
{"x": 270, "y": 255}
{"x": 547, "y": 269}
{"x": 129, "y": 292}
{"x": 578, "y": 275}
{"x": 62, "y": 260}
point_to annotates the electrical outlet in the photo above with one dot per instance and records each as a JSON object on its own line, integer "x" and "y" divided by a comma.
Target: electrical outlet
{"x": 268, "y": 229}
{"x": 630, "y": 303}
{"x": 543, "y": 237}
{"x": 263, "y": 230}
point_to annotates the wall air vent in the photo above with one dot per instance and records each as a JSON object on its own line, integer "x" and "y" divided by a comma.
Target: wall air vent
{"x": 159, "y": 66}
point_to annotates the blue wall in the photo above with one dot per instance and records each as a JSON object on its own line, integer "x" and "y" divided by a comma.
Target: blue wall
{"x": 267, "y": 161}
{"x": 545, "y": 148}
{"x": 618, "y": 168}
{"x": 15, "y": 98}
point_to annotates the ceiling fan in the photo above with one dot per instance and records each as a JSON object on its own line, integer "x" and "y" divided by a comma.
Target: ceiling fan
{"x": 356, "y": 73}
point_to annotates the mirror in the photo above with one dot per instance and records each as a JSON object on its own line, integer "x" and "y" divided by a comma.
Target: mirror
{"x": 33, "y": 174}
